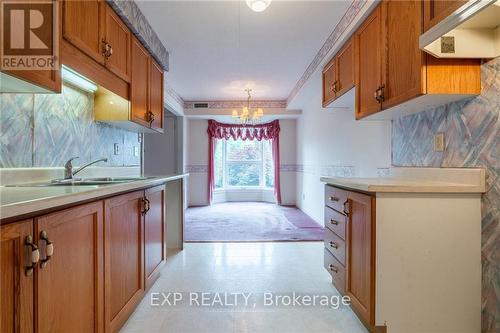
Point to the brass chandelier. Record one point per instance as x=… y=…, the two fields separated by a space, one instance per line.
x=247 y=116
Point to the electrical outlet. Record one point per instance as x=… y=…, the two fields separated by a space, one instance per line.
x=116 y=149
x=439 y=142
x=136 y=151
x=139 y=137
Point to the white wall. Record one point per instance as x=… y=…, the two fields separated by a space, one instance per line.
x=197 y=162
x=196 y=151
x=161 y=150
x=288 y=157
x=328 y=139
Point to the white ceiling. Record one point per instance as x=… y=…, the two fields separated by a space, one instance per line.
x=215 y=52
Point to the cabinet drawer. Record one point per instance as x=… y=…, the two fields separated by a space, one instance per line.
x=335 y=221
x=335 y=198
x=336 y=270
x=335 y=245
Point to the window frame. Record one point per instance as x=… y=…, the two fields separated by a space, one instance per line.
x=225 y=169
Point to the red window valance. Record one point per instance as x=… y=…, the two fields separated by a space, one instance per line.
x=267 y=131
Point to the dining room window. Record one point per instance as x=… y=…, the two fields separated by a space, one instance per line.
x=243 y=163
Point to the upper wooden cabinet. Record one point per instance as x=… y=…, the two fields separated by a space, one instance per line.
x=329 y=77
x=94 y=28
x=436 y=10
x=146 y=89
x=338 y=75
x=345 y=69
x=400 y=73
x=139 y=92
x=369 y=46
x=117 y=44
x=17 y=250
x=83 y=26
x=156 y=94
x=404 y=61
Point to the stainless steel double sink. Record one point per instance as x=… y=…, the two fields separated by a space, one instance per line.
x=82 y=182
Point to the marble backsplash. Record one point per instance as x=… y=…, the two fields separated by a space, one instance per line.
x=45 y=130
x=472 y=138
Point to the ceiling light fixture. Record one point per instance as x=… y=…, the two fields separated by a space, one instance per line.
x=258 y=5
x=245 y=118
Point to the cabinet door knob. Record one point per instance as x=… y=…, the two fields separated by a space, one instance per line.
x=104 y=48
x=333 y=268
x=334 y=245
x=34 y=255
x=334 y=222
x=151 y=118
x=49 y=248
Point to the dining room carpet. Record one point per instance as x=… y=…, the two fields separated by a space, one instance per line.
x=249 y=222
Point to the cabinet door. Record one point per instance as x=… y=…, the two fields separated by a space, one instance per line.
x=70 y=282
x=436 y=10
x=404 y=61
x=139 y=82
x=329 y=77
x=360 y=284
x=156 y=95
x=47 y=79
x=82 y=26
x=118 y=36
x=345 y=69
x=123 y=253
x=368 y=62
x=154 y=234
x=16 y=281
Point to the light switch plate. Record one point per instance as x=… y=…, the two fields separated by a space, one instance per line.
x=439 y=142
x=116 y=149
x=136 y=151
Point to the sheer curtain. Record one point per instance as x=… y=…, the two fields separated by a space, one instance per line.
x=268 y=131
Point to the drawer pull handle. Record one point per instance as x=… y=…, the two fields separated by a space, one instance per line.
x=335 y=199
x=333 y=268
x=49 y=248
x=334 y=245
x=334 y=222
x=346 y=207
x=145 y=205
x=34 y=255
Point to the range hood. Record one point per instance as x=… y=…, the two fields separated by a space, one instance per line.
x=472 y=31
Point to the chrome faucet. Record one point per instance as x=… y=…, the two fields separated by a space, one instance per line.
x=68 y=167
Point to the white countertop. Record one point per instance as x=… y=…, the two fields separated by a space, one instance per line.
x=418 y=180
x=18 y=201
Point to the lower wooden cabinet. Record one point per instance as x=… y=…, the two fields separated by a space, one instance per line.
x=16 y=277
x=351 y=263
x=84 y=268
x=70 y=272
x=360 y=282
x=123 y=252
x=401 y=250
x=154 y=234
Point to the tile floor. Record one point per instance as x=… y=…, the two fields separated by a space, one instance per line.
x=251 y=268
